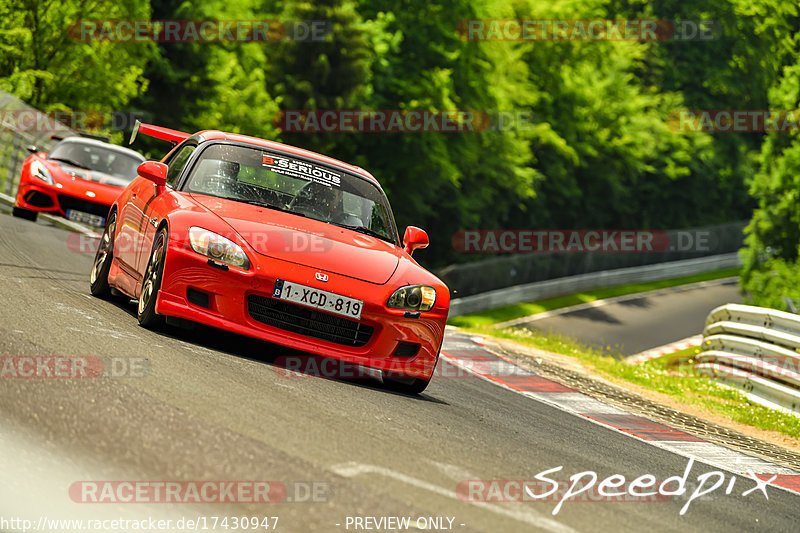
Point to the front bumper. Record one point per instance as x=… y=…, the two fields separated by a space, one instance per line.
x=46 y=198
x=226 y=307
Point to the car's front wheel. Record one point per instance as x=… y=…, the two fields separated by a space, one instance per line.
x=27 y=214
x=151 y=283
x=102 y=261
x=407 y=385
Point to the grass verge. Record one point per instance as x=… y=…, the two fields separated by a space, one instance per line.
x=510 y=312
x=672 y=375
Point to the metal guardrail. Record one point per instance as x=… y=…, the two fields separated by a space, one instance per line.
x=14 y=141
x=531 y=292
x=754 y=349
x=12 y=155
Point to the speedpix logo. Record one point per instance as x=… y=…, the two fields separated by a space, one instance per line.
x=587 y=486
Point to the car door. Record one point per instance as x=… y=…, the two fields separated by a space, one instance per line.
x=149 y=219
x=128 y=242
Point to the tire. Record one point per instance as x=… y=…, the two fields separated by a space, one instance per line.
x=408 y=385
x=151 y=283
x=102 y=261
x=27 y=214
x=119 y=296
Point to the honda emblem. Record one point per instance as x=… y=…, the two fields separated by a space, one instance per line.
x=321 y=276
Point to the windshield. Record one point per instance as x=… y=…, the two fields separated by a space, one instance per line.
x=295 y=185
x=96 y=158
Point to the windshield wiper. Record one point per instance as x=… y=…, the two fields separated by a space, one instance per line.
x=261 y=204
x=366 y=231
x=69 y=162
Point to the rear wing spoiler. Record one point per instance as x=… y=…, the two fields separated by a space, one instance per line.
x=173 y=136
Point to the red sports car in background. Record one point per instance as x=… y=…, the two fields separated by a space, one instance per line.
x=79 y=180
x=276 y=243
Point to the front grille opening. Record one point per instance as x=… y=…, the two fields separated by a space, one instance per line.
x=38 y=199
x=76 y=204
x=406 y=350
x=199 y=298
x=310 y=322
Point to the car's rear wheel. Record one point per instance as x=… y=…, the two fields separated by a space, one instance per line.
x=27 y=214
x=151 y=283
x=102 y=261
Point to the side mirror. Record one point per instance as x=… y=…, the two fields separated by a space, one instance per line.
x=415 y=239
x=155 y=171
x=32 y=148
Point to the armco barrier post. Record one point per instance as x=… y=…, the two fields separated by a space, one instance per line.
x=12 y=167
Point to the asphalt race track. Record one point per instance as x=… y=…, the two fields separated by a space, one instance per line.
x=204 y=405
x=637 y=323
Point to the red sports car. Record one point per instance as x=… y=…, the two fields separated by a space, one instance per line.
x=79 y=180
x=277 y=243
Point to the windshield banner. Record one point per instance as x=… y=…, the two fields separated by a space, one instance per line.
x=301 y=169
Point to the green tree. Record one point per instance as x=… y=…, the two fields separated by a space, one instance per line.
x=772 y=254
x=325 y=62
x=445 y=182
x=751 y=41
x=50 y=67
x=198 y=85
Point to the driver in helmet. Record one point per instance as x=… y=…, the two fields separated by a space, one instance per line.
x=330 y=201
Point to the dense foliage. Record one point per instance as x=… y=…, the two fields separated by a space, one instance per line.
x=591 y=145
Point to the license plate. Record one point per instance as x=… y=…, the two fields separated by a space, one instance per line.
x=318 y=299
x=86 y=218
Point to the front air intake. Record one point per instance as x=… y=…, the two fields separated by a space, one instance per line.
x=307 y=321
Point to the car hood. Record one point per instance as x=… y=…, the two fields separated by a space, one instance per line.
x=307 y=242
x=90 y=175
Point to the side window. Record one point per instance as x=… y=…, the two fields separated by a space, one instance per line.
x=177 y=164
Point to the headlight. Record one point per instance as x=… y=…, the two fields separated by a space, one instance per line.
x=38 y=170
x=217 y=247
x=413 y=298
